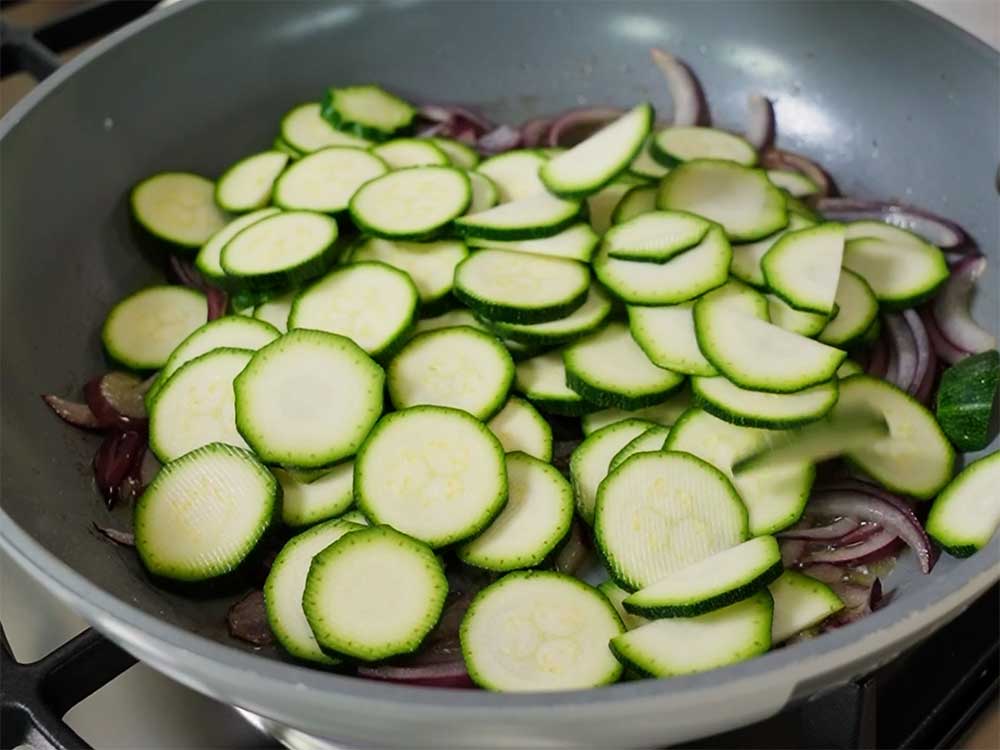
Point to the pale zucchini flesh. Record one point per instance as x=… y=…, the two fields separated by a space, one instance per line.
x=655 y=237
x=401 y=153
x=367 y=111
x=142 y=330
x=803 y=267
x=586 y=318
x=178 y=208
x=532 y=217
x=325 y=180
x=430 y=265
x=800 y=603
x=649 y=441
x=458 y=153
x=247 y=185
x=542 y=379
x=664 y=413
x=679 y=144
x=967 y=512
x=304 y=503
x=747 y=256
x=900 y=273
x=774 y=411
x=276 y=310
x=602 y=204
x=305 y=130
x=520 y=428
x=208 y=260
x=803 y=323
x=576 y=242
x=857 y=310
x=411 y=204
x=666 y=334
x=515 y=173
x=639 y=200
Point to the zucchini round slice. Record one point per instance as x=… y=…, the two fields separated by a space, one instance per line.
x=144 y=328
x=367 y=111
x=747 y=257
x=178 y=208
x=542 y=379
x=666 y=334
x=649 y=441
x=519 y=427
x=325 y=180
x=458 y=153
x=639 y=200
x=800 y=603
x=585 y=319
x=430 y=265
x=665 y=413
x=967 y=513
x=531 y=217
x=577 y=242
x=803 y=267
x=411 y=152
x=679 y=144
x=304 y=129
x=857 y=310
x=248 y=183
x=411 y=204
x=208 y=260
x=276 y=310
x=803 y=323
x=306 y=500
x=655 y=237
x=795 y=184
x=644 y=165
x=515 y=173
x=736 y=405
x=900 y=273
x=485 y=193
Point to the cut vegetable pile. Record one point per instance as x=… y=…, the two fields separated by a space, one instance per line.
x=441 y=362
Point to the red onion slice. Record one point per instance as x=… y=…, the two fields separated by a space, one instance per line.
x=878 y=363
x=878 y=546
x=575 y=125
x=951 y=309
x=534 y=132
x=942 y=347
x=903 y=362
x=760 y=126
x=831 y=531
x=858 y=535
x=123 y=538
x=922 y=347
x=690 y=107
x=247 y=620
x=73 y=412
x=116 y=399
x=937 y=230
x=185 y=274
x=115 y=460
x=446 y=675
x=458 y=117
x=500 y=139
x=776 y=158
x=218 y=302
x=792 y=551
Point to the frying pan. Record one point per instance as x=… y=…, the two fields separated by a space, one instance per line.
x=896 y=102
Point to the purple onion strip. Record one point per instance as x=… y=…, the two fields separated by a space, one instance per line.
x=760 y=126
x=937 y=230
x=951 y=309
x=904 y=353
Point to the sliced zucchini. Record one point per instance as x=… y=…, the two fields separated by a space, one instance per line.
x=178 y=208
x=325 y=180
x=485 y=193
x=900 y=273
x=725 y=578
x=411 y=152
x=793 y=183
x=411 y=204
x=658 y=513
x=806 y=324
x=916 y=458
x=458 y=367
x=279 y=144
x=679 y=144
x=532 y=217
x=609 y=369
x=616 y=596
x=586 y=318
x=649 y=441
x=542 y=379
x=515 y=173
x=644 y=165
x=679 y=646
x=803 y=267
x=432 y=472
x=739 y=198
x=774 y=497
x=665 y=413
x=368 y=112
x=521 y=288
x=857 y=310
x=286 y=583
x=849 y=367
x=666 y=334
x=689 y=275
x=305 y=130
x=450 y=319
x=747 y=257
x=595 y=161
x=308 y=399
x=430 y=265
x=870 y=229
x=773 y=411
x=209 y=256
x=602 y=204
x=143 y=329
x=655 y=237
x=327 y=496
x=281 y=250
x=591 y=459
x=537 y=517
x=966 y=400
x=967 y=513
x=800 y=603
x=758 y=355
x=739 y=297
x=540 y=630
x=458 y=153
x=374 y=593
x=577 y=242
x=204 y=513
x=371 y=303
x=638 y=200
x=355 y=516
x=276 y=310
x=520 y=428
x=248 y=183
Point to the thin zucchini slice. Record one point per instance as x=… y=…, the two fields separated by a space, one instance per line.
x=660 y=512
x=849 y=367
x=355 y=516
x=485 y=193
x=774 y=497
x=649 y=441
x=371 y=303
x=679 y=144
x=282 y=146
x=521 y=288
x=368 y=112
x=247 y=185
x=800 y=603
x=305 y=130
x=644 y=165
x=304 y=503
x=178 y=208
x=430 y=265
x=458 y=367
x=411 y=204
x=739 y=198
x=195 y=406
x=208 y=260
x=638 y=200
x=966 y=400
x=901 y=274
x=276 y=310
x=803 y=267
x=374 y=593
x=450 y=319
x=857 y=310
x=718 y=581
x=666 y=334
x=577 y=242
x=602 y=204
x=772 y=411
x=411 y=152
x=589 y=463
x=967 y=513
x=144 y=328
x=515 y=173
x=739 y=297
x=679 y=646
x=286 y=583
x=539 y=630
x=281 y=250
x=537 y=517
x=793 y=183
x=688 y=275
x=916 y=458
x=586 y=318
x=204 y=513
x=616 y=596
x=308 y=399
x=542 y=379
x=532 y=217
x=325 y=180
x=803 y=323
x=655 y=237
x=758 y=355
x=747 y=256
x=519 y=427
x=665 y=413
x=458 y=153
x=432 y=472
x=609 y=369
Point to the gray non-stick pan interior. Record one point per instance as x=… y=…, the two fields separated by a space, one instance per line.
x=896 y=103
